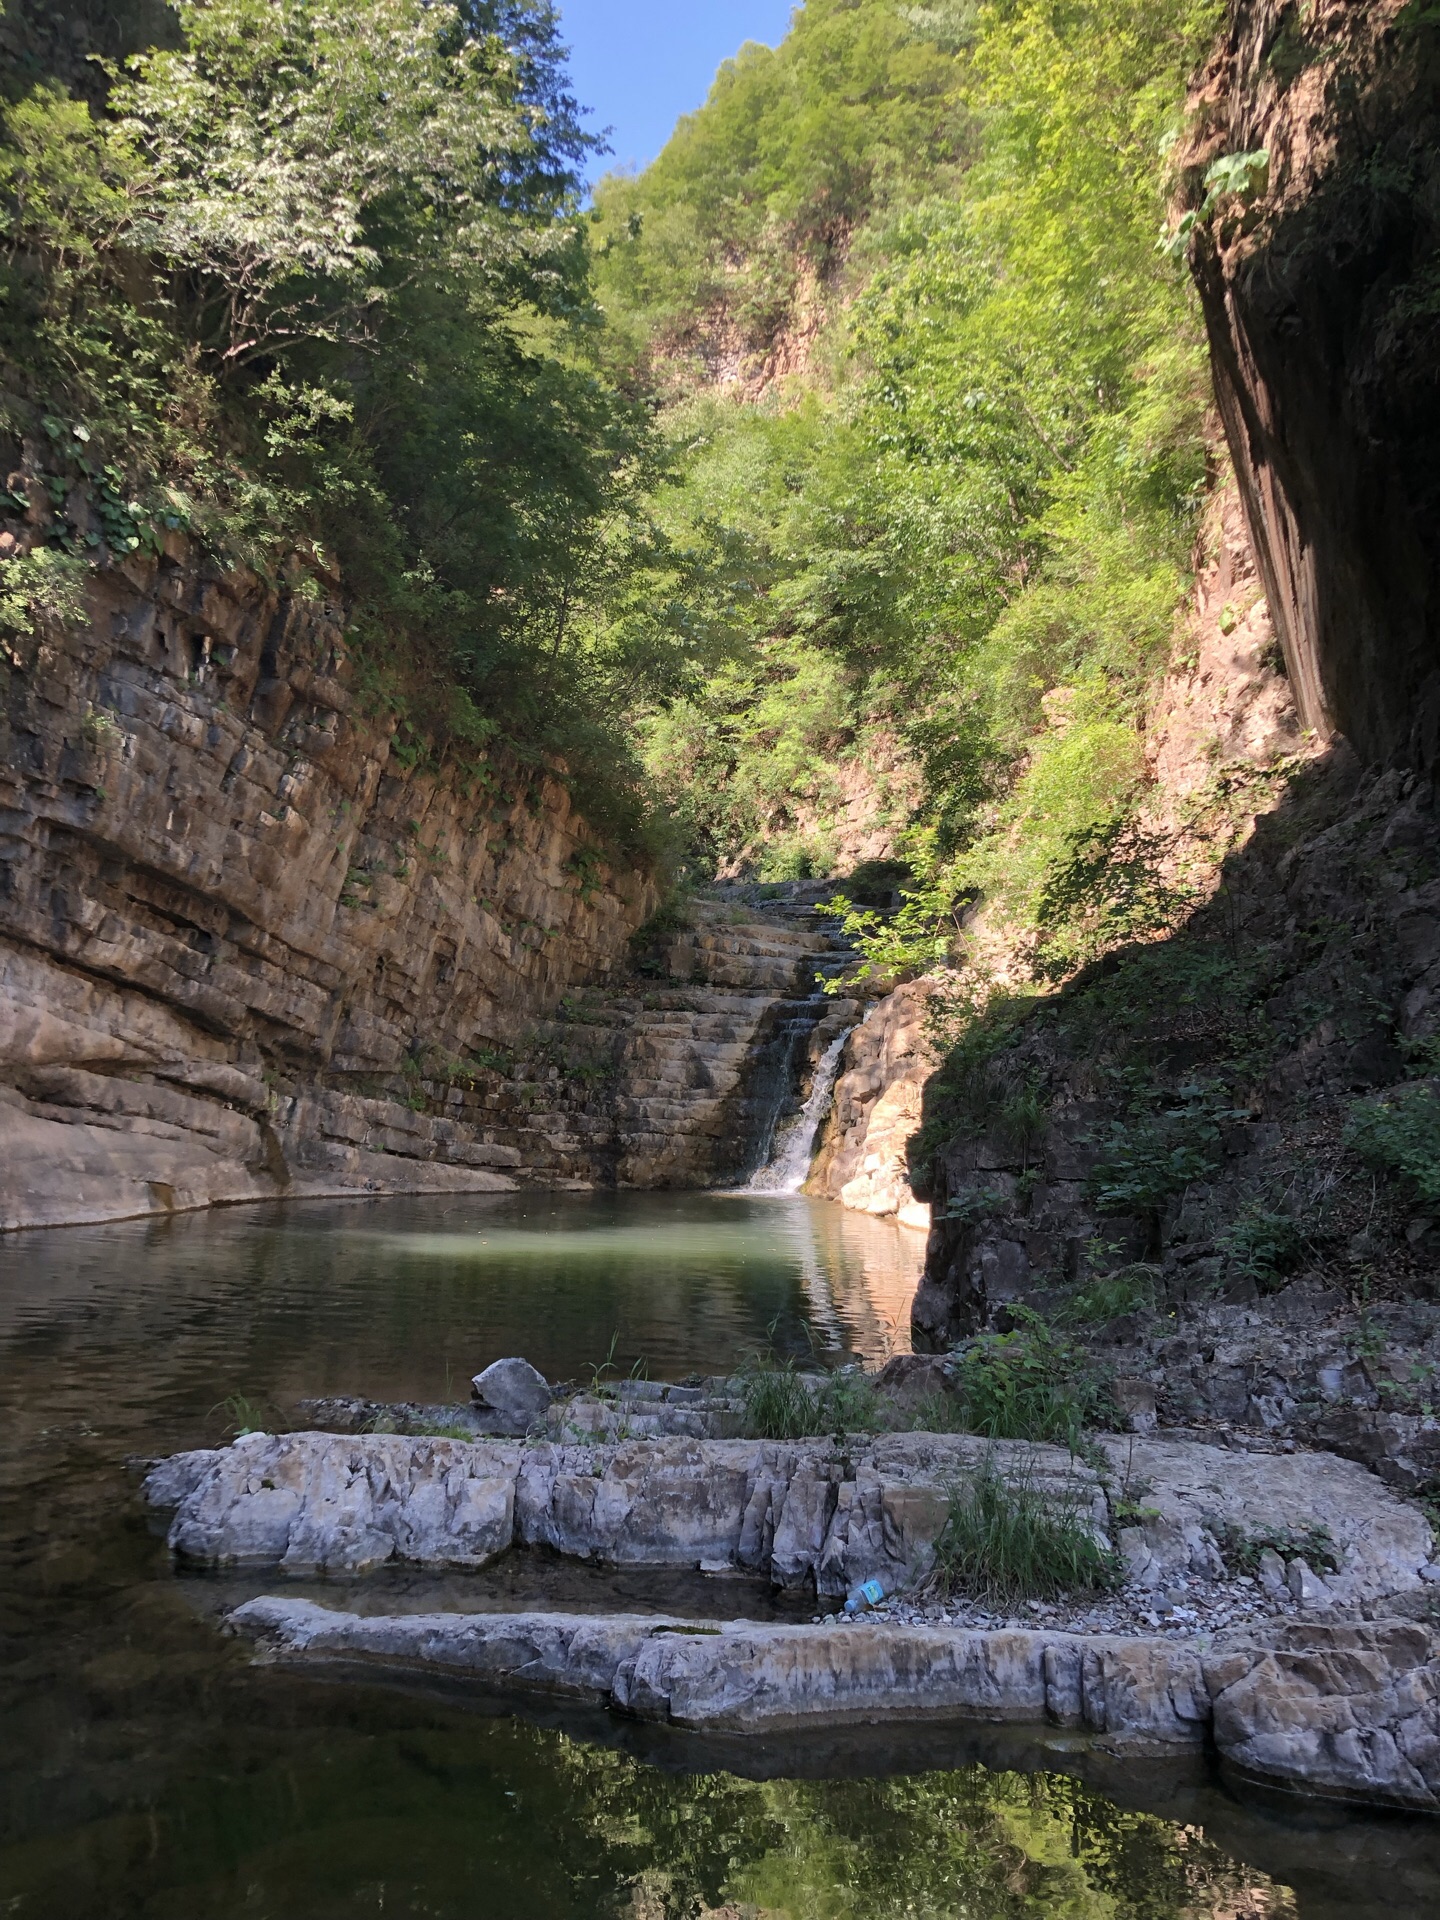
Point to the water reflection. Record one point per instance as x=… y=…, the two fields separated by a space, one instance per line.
x=147 y=1770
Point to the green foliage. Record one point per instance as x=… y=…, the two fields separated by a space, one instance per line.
x=1130 y=1289
x=1263 y=1244
x=1400 y=1133
x=317 y=280
x=781 y=1404
x=1005 y=1541
x=1238 y=176
x=244 y=1415
x=1030 y=1384
x=39 y=587
x=1109 y=888
x=1243 y=1547
x=794 y=148
x=1146 y=1160
x=963 y=529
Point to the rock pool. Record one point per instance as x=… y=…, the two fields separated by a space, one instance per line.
x=148 y=1769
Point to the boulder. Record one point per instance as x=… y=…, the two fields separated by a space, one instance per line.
x=1348 y=1711
x=514 y=1393
x=328 y=1503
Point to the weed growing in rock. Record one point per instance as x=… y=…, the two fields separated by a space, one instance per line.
x=1242 y=1549
x=1132 y=1289
x=1400 y=1133
x=1005 y=1540
x=782 y=1404
x=243 y=1414
x=1263 y=1244
x=1031 y=1384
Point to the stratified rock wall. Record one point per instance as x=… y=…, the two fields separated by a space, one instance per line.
x=863 y=1161
x=235 y=927
x=1321 y=304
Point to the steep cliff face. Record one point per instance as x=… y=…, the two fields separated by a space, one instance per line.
x=863 y=1156
x=1322 y=299
x=236 y=931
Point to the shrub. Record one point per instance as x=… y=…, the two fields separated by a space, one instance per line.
x=1400 y=1133
x=1148 y=1159
x=1005 y=1540
x=1263 y=1244
x=1029 y=1385
x=1132 y=1289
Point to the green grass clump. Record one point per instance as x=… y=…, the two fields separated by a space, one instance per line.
x=1031 y=1384
x=1263 y=1244
x=1005 y=1541
x=244 y=1415
x=1133 y=1289
x=780 y=1404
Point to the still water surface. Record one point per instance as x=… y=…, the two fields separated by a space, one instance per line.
x=146 y=1769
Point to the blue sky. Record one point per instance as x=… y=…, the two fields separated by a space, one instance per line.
x=640 y=64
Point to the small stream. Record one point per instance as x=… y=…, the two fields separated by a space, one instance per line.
x=149 y=1772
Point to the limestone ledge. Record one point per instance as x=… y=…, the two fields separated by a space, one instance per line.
x=798 y=1511
x=1345 y=1712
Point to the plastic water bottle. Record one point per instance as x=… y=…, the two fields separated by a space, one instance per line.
x=868 y=1594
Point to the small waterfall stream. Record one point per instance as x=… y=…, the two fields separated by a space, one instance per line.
x=788 y=1162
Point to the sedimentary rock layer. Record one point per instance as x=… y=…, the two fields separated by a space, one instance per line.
x=234 y=925
x=1347 y=1712
x=799 y=1511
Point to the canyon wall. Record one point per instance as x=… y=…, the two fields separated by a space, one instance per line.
x=1322 y=301
x=237 y=931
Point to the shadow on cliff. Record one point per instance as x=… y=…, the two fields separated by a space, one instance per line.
x=1189 y=1106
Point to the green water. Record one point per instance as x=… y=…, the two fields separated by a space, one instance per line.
x=147 y=1769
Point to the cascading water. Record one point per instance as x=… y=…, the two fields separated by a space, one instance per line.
x=788 y=1163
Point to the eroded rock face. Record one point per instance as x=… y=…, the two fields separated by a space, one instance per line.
x=863 y=1157
x=807 y=1513
x=1339 y=1711
x=744 y=1678
x=313 y=1503
x=233 y=928
x=1316 y=302
x=1347 y=1711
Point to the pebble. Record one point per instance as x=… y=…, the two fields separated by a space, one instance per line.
x=1200 y=1607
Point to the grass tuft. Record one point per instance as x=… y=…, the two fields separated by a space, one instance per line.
x=780 y=1404
x=1030 y=1384
x=1006 y=1541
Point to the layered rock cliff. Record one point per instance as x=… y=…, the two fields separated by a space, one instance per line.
x=1319 y=284
x=236 y=929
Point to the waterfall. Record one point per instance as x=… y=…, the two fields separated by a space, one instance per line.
x=788 y=1166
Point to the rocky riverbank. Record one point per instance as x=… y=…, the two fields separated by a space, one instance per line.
x=1277 y=1605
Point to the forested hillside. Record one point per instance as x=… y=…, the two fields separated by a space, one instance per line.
x=937 y=403
x=830 y=486
x=311 y=283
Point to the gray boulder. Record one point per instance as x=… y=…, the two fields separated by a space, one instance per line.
x=513 y=1393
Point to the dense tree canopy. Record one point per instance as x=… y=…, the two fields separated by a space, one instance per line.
x=866 y=422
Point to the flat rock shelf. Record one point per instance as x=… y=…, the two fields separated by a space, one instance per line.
x=1330 y=1688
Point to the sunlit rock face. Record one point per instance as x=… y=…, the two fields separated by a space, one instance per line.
x=236 y=932
x=802 y=1512
x=247 y=951
x=1318 y=290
